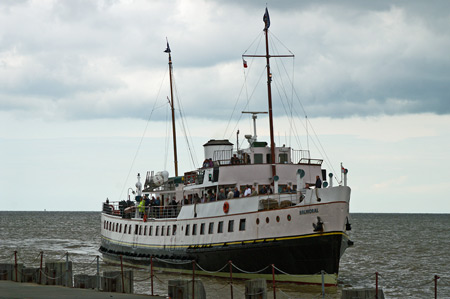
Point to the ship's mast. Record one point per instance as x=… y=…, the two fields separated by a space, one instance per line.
x=175 y=158
x=269 y=92
x=266 y=20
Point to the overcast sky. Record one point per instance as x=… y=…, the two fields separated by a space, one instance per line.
x=81 y=82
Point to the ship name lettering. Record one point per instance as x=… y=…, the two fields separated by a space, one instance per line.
x=309 y=211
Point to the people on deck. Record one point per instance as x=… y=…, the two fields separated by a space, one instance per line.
x=247 y=191
x=318 y=182
x=222 y=195
x=141 y=207
x=263 y=190
x=206 y=163
x=234 y=160
x=236 y=193
x=230 y=194
x=254 y=193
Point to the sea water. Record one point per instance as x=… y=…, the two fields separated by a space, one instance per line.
x=407 y=250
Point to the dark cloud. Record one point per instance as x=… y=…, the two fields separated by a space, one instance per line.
x=104 y=59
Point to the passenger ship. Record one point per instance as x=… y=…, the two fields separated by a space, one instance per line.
x=294 y=233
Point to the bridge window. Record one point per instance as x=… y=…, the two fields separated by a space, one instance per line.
x=283 y=158
x=258 y=158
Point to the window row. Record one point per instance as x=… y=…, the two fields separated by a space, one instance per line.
x=220 y=226
x=167 y=230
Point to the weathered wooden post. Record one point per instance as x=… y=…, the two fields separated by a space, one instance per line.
x=121 y=270
x=111 y=281
x=181 y=289
x=256 y=289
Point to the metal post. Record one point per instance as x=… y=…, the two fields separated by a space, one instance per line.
x=435 y=286
x=67 y=269
x=273 y=282
x=231 y=278
x=323 y=283
x=376 y=285
x=98 y=273
x=151 y=272
x=15 y=263
x=121 y=270
x=193 y=279
x=40 y=268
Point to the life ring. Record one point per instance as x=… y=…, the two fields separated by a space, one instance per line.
x=226 y=207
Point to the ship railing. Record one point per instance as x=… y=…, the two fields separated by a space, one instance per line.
x=127 y=209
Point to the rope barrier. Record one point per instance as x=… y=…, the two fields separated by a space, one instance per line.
x=248 y=272
x=19 y=257
x=173 y=263
x=85 y=267
x=442 y=282
x=140 y=280
x=111 y=277
x=218 y=289
x=226 y=265
x=162 y=282
x=281 y=291
x=53 y=278
x=237 y=289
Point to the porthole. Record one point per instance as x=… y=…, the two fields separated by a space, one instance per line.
x=289 y=217
x=278 y=218
x=257 y=220
x=267 y=219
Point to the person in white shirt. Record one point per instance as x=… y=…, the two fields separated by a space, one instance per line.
x=247 y=191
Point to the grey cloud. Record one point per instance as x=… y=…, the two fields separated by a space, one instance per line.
x=352 y=58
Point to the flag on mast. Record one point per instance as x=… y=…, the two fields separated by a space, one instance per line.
x=168 y=48
x=244 y=62
x=266 y=19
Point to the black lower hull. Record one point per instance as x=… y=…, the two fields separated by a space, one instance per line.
x=303 y=255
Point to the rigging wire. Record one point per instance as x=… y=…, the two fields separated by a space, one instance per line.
x=319 y=147
x=142 y=137
x=284 y=89
x=247 y=102
x=244 y=85
x=185 y=128
x=167 y=141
